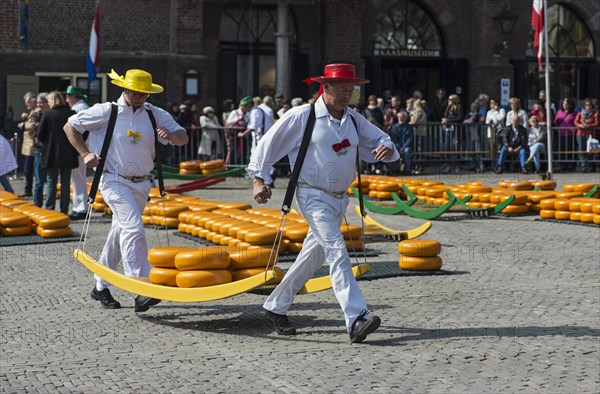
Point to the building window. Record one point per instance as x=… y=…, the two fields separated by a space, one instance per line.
x=249 y=32
x=571 y=51
x=407 y=29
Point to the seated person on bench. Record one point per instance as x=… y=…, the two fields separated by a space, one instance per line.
x=514 y=142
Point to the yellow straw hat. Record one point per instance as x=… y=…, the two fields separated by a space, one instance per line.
x=136 y=80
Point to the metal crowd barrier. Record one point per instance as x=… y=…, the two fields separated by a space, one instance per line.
x=473 y=146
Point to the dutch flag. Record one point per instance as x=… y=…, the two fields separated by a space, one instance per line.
x=92 y=56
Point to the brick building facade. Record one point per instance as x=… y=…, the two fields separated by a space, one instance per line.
x=226 y=49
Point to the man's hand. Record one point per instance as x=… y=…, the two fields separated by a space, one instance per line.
x=91 y=160
x=382 y=153
x=164 y=133
x=261 y=192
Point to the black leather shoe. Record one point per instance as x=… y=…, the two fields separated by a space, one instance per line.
x=363 y=327
x=281 y=323
x=77 y=216
x=142 y=304
x=105 y=298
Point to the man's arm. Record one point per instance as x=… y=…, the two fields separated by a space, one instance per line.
x=76 y=139
x=178 y=138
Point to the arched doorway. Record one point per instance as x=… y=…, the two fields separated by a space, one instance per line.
x=247 y=57
x=573 y=68
x=408 y=53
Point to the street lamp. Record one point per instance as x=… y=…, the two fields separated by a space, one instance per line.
x=505 y=21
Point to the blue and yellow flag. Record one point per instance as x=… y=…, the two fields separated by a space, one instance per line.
x=23 y=28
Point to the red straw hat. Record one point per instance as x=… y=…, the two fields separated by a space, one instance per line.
x=339 y=72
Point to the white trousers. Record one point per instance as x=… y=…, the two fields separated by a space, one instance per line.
x=80 y=193
x=324 y=242
x=126 y=238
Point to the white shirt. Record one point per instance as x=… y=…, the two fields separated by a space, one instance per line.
x=80 y=106
x=127 y=155
x=261 y=119
x=495 y=118
x=323 y=168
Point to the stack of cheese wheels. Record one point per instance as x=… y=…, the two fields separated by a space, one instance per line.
x=189 y=167
x=162 y=259
x=364 y=181
x=252 y=260
x=353 y=237
x=165 y=213
x=51 y=224
x=576 y=209
x=212 y=166
x=14 y=223
x=207 y=266
x=420 y=255
x=517 y=206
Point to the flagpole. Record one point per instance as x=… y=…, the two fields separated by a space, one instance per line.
x=548 y=101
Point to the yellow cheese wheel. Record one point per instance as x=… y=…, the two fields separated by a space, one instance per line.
x=55 y=220
x=583 y=187
x=562 y=205
x=169 y=222
x=387 y=187
x=586 y=217
x=574 y=206
x=587 y=207
x=384 y=195
x=547 y=214
x=54 y=232
x=261 y=237
x=544 y=185
x=171 y=210
x=296 y=232
x=568 y=195
x=596 y=218
x=251 y=257
x=575 y=216
x=548 y=203
x=249 y=272
x=419 y=247
x=205 y=165
x=351 y=231
x=16 y=231
x=483 y=197
x=164 y=256
x=206 y=258
x=521 y=185
x=98 y=206
x=596 y=208
x=294 y=247
x=538 y=196
x=164 y=276
x=515 y=209
x=234 y=205
x=203 y=278
x=535 y=208
x=189 y=165
x=355 y=244
x=14 y=219
x=475 y=188
x=562 y=215
x=413 y=263
x=372 y=193
x=210 y=171
x=182 y=227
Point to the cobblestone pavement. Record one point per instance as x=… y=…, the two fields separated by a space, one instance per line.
x=516 y=310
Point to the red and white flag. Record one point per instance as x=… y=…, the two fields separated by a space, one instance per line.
x=92 y=56
x=537 y=22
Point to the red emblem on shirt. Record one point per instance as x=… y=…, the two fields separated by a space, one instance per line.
x=341 y=148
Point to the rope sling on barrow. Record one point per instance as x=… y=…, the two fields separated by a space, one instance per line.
x=291 y=190
x=100 y=168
